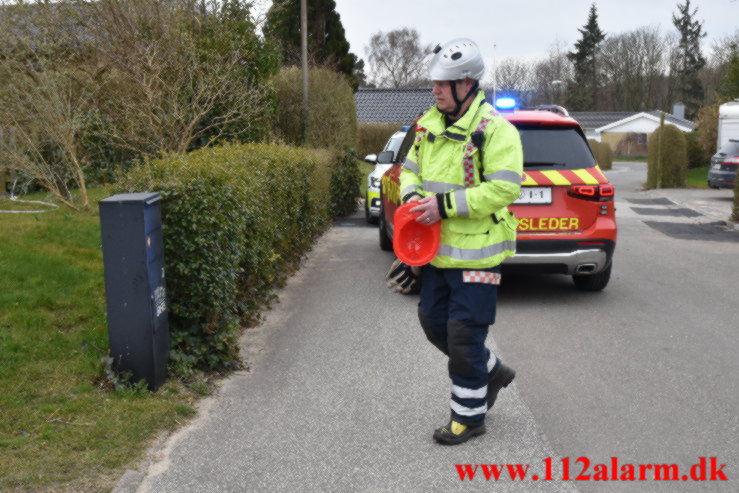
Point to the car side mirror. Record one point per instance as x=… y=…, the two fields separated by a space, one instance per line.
x=385 y=157
x=370 y=158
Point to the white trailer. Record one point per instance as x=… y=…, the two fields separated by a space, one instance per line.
x=728 y=122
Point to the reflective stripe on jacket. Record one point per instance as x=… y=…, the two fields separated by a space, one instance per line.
x=477 y=230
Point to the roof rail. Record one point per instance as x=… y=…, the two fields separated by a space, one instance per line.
x=553 y=108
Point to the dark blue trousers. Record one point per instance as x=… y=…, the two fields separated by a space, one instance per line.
x=455 y=316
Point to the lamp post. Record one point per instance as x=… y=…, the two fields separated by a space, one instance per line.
x=304 y=64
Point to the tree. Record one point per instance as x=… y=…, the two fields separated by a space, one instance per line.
x=714 y=72
x=396 y=58
x=512 y=75
x=729 y=87
x=550 y=76
x=583 y=91
x=327 y=44
x=633 y=67
x=359 y=73
x=690 y=60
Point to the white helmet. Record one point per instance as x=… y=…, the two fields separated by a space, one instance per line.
x=457 y=59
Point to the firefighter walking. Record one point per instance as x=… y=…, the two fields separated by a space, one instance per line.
x=464 y=170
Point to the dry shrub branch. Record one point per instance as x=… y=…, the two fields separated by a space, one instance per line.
x=177 y=93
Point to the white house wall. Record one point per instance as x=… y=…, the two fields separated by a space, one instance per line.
x=641 y=125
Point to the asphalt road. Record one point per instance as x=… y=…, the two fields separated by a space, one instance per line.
x=343 y=390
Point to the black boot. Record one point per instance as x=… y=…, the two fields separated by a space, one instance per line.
x=455 y=433
x=500 y=376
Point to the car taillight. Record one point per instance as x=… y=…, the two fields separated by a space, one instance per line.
x=597 y=193
x=732 y=160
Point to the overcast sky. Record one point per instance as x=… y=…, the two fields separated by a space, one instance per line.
x=524 y=28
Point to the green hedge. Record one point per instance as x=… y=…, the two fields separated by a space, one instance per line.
x=672 y=169
x=345 y=181
x=697 y=157
x=602 y=152
x=372 y=137
x=332 y=120
x=236 y=220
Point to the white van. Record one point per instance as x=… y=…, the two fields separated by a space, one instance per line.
x=728 y=123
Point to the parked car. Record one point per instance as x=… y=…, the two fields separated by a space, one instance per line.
x=722 y=172
x=382 y=162
x=566 y=209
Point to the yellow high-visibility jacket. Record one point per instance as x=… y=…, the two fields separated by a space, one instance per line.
x=477 y=229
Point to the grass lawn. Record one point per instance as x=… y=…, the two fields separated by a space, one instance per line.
x=637 y=159
x=60 y=428
x=697 y=177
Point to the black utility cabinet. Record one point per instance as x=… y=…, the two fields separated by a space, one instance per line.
x=133 y=256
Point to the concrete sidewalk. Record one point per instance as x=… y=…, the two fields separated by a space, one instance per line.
x=342 y=394
x=714 y=204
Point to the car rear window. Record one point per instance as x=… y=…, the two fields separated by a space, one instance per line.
x=554 y=148
x=730 y=148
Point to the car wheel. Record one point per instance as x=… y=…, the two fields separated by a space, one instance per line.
x=367 y=216
x=593 y=282
x=385 y=243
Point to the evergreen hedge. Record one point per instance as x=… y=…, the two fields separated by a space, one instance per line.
x=672 y=169
x=332 y=120
x=372 y=137
x=236 y=220
x=696 y=156
x=345 y=181
x=602 y=152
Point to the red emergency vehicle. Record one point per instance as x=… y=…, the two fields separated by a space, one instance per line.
x=566 y=208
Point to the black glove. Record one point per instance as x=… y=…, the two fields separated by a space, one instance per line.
x=403 y=278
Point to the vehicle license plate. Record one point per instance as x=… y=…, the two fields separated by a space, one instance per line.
x=534 y=195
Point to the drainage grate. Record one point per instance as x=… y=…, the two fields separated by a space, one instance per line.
x=660 y=201
x=681 y=212
x=349 y=222
x=706 y=232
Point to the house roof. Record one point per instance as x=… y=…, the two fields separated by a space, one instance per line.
x=597 y=119
x=673 y=119
x=400 y=106
x=603 y=120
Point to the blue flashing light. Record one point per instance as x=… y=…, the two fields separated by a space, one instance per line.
x=405 y=128
x=505 y=103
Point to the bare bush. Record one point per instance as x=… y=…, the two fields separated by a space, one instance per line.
x=47 y=149
x=125 y=79
x=45 y=102
x=162 y=92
